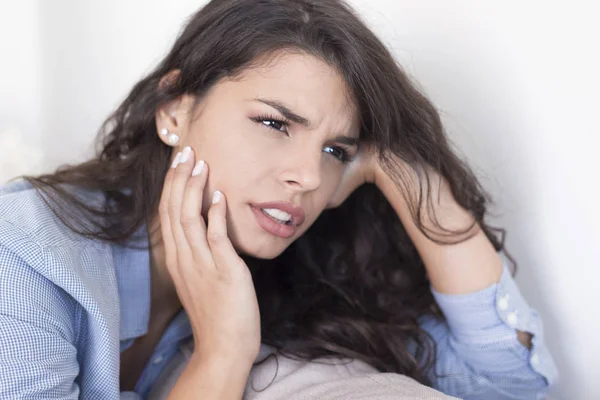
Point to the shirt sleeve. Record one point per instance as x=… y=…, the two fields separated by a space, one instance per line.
x=478 y=353
x=37 y=357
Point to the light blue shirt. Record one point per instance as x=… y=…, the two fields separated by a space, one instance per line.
x=69 y=305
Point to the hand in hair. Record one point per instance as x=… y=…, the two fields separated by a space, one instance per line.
x=213 y=283
x=362 y=169
x=366 y=167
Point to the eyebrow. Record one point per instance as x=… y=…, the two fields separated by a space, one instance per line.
x=292 y=116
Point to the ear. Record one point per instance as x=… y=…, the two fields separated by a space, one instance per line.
x=173 y=118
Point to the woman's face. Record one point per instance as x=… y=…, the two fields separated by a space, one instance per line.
x=276 y=133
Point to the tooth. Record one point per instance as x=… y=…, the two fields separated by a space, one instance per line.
x=278 y=214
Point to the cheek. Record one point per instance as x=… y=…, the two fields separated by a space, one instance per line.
x=332 y=181
x=228 y=155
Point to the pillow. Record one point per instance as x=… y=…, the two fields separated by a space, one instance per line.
x=283 y=378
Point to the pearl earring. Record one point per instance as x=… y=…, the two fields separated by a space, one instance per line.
x=173 y=139
x=164 y=132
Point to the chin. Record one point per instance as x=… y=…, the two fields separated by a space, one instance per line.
x=266 y=251
x=262 y=246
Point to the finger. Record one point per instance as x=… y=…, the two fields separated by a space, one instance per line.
x=165 y=221
x=192 y=221
x=181 y=172
x=222 y=250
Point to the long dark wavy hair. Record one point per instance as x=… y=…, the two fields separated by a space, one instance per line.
x=353 y=285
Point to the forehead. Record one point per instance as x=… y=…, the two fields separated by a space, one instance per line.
x=307 y=85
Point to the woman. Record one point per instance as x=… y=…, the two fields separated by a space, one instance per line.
x=276 y=179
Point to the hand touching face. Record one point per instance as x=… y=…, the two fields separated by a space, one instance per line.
x=278 y=139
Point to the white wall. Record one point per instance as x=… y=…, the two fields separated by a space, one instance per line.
x=516 y=82
x=93 y=52
x=20 y=87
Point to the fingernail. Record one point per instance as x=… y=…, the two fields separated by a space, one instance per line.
x=216 y=197
x=176 y=160
x=185 y=155
x=198 y=168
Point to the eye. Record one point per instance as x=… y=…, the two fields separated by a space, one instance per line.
x=281 y=125
x=272 y=122
x=339 y=153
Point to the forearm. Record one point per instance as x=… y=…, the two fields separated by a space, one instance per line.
x=216 y=378
x=459 y=268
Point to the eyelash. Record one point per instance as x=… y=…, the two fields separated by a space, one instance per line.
x=343 y=157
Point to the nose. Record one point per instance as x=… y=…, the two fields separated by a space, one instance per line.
x=302 y=172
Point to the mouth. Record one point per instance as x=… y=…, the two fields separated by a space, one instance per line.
x=283 y=212
x=281 y=225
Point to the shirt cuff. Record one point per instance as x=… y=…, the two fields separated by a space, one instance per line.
x=493 y=315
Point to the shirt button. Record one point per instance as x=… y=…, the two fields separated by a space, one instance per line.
x=512 y=318
x=503 y=302
x=535 y=359
x=158 y=360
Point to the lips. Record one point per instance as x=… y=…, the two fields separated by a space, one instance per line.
x=296 y=212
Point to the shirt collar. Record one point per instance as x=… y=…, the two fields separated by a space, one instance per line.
x=132 y=267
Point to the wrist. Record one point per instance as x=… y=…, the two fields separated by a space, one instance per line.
x=393 y=193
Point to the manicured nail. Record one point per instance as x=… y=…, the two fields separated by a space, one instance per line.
x=198 y=168
x=176 y=160
x=185 y=156
x=216 y=197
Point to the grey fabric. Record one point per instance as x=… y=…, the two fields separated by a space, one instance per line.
x=284 y=378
